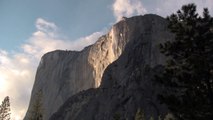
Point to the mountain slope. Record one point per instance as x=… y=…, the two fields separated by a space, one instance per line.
x=127 y=84
x=62 y=74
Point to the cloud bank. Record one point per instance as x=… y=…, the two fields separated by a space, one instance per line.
x=167 y=7
x=17 y=69
x=127 y=8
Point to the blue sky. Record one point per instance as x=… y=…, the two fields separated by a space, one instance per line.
x=30 y=28
x=75 y=19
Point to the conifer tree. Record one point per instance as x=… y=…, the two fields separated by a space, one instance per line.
x=140 y=115
x=188 y=73
x=37 y=110
x=5 y=109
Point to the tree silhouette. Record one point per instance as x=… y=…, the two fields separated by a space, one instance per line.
x=188 y=73
x=140 y=115
x=37 y=110
x=5 y=109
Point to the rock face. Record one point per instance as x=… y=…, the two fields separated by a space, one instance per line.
x=61 y=74
x=127 y=84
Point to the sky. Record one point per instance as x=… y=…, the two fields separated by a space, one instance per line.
x=31 y=28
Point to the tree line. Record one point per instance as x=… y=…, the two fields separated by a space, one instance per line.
x=188 y=73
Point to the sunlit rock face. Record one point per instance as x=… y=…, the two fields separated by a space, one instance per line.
x=61 y=74
x=126 y=85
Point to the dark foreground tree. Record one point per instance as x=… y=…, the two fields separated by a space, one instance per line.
x=5 y=109
x=188 y=74
x=37 y=110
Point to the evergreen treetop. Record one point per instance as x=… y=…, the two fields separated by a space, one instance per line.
x=188 y=73
x=5 y=109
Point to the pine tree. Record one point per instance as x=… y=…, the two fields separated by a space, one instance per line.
x=116 y=116
x=188 y=73
x=140 y=115
x=37 y=110
x=5 y=109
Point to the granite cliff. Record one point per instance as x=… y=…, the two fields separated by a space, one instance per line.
x=127 y=84
x=61 y=74
x=111 y=77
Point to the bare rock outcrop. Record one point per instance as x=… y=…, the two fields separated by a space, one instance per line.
x=61 y=74
x=127 y=84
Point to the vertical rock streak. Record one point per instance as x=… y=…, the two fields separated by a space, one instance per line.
x=61 y=74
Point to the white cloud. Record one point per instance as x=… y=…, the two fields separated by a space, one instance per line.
x=167 y=7
x=45 y=26
x=127 y=8
x=17 y=70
